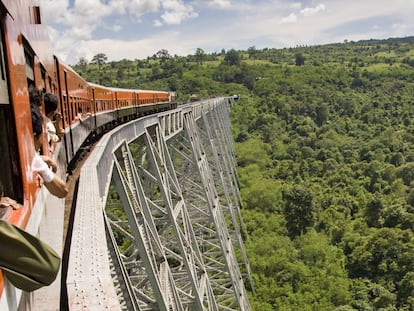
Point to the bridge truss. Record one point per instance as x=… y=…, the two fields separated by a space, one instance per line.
x=162 y=192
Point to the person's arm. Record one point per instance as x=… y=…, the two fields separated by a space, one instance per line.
x=79 y=117
x=50 y=163
x=57 y=187
x=59 y=131
x=53 y=183
x=9 y=202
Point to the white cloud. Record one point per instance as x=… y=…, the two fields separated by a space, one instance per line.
x=176 y=11
x=399 y=29
x=116 y=28
x=221 y=4
x=296 y=5
x=55 y=11
x=115 y=49
x=239 y=24
x=82 y=19
x=90 y=9
x=312 y=11
x=157 y=23
x=139 y=8
x=292 y=18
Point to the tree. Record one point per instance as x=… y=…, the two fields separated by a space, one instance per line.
x=322 y=114
x=299 y=59
x=200 y=56
x=82 y=63
x=299 y=210
x=232 y=58
x=406 y=172
x=99 y=59
x=120 y=74
x=252 y=52
x=163 y=54
x=407 y=287
x=373 y=211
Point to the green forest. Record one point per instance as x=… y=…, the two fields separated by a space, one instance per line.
x=324 y=139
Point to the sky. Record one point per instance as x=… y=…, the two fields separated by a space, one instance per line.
x=136 y=29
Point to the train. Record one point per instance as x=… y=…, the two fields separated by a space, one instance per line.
x=27 y=61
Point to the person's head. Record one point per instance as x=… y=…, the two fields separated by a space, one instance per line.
x=37 y=125
x=35 y=96
x=51 y=103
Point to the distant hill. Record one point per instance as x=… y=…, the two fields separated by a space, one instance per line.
x=181 y=73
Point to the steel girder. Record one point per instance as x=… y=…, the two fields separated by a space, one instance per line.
x=173 y=216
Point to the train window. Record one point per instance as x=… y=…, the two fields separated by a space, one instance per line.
x=77 y=105
x=71 y=108
x=4 y=94
x=65 y=107
x=53 y=89
x=29 y=67
x=67 y=101
x=43 y=79
x=9 y=160
x=35 y=15
x=72 y=101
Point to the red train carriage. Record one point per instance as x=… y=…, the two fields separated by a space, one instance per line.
x=74 y=93
x=25 y=60
x=88 y=110
x=21 y=67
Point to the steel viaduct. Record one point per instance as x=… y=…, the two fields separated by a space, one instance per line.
x=157 y=222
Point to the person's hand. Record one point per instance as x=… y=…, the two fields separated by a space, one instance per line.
x=58 y=116
x=52 y=164
x=8 y=202
x=39 y=181
x=60 y=133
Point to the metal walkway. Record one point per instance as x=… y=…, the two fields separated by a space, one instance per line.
x=157 y=222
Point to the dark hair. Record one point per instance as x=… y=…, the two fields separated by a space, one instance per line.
x=51 y=103
x=37 y=120
x=35 y=96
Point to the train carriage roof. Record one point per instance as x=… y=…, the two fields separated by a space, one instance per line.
x=117 y=89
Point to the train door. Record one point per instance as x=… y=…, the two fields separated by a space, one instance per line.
x=61 y=91
x=9 y=159
x=43 y=80
x=68 y=104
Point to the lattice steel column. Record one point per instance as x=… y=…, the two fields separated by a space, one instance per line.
x=218 y=139
x=151 y=287
x=173 y=217
x=181 y=223
x=172 y=287
x=216 y=211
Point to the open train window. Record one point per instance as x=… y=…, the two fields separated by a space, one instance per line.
x=52 y=87
x=4 y=90
x=43 y=78
x=29 y=67
x=9 y=159
x=35 y=15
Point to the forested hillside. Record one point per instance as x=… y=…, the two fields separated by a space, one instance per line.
x=325 y=148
